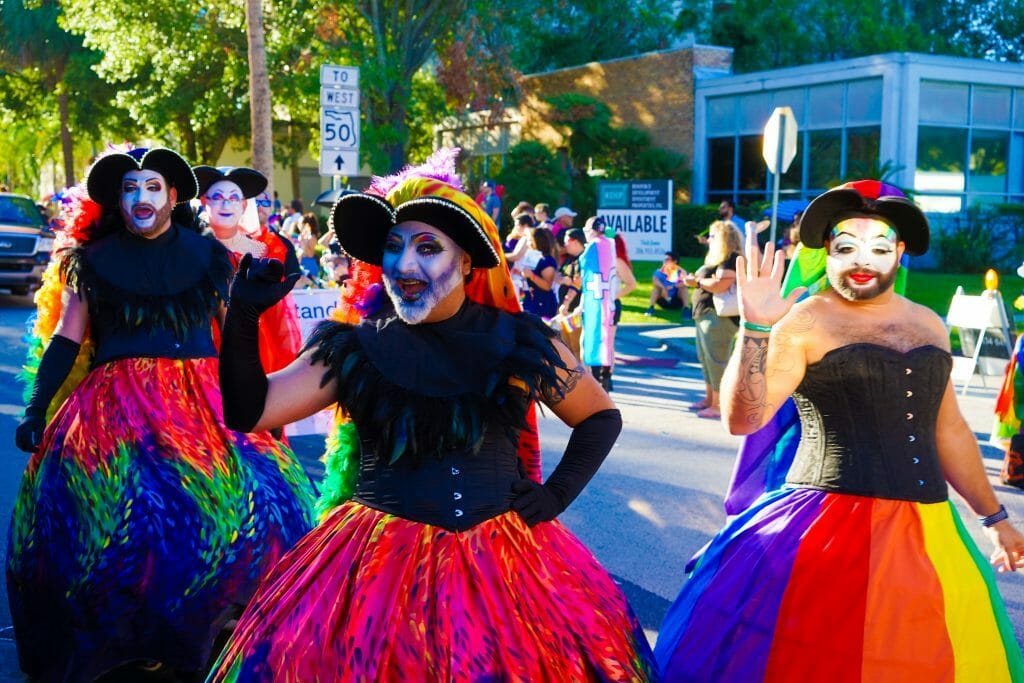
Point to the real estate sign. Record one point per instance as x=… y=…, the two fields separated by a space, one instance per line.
x=641 y=211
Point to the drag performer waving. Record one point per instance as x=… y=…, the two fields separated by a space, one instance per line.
x=859 y=568
x=448 y=563
x=143 y=524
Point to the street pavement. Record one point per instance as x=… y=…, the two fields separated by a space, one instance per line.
x=654 y=503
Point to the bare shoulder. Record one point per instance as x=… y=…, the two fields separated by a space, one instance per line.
x=929 y=322
x=804 y=316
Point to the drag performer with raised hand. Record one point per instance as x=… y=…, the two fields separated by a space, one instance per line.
x=143 y=524
x=859 y=568
x=448 y=564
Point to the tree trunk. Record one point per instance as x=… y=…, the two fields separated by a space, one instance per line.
x=259 y=94
x=65 y=138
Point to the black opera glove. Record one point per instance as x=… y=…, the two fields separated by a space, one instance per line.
x=54 y=368
x=243 y=383
x=589 y=445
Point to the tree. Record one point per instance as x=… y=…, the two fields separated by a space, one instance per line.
x=260 y=120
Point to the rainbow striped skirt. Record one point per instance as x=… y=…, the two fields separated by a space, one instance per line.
x=810 y=585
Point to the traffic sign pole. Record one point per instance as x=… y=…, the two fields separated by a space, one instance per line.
x=777 y=175
x=339 y=121
x=778 y=150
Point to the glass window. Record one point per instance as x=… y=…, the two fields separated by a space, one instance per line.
x=943 y=102
x=824 y=152
x=721 y=115
x=941 y=155
x=825 y=106
x=1018 y=108
x=754 y=111
x=864 y=101
x=862 y=151
x=989 y=154
x=721 y=163
x=990 y=107
x=753 y=171
x=792 y=179
x=792 y=98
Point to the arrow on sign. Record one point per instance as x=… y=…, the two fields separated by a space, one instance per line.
x=334 y=162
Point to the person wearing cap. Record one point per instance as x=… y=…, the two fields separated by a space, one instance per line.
x=860 y=562
x=447 y=561
x=225 y=193
x=143 y=524
x=562 y=220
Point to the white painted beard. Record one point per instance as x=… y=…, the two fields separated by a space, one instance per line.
x=414 y=312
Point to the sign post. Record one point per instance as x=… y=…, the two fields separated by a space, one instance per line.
x=339 y=120
x=778 y=151
x=641 y=210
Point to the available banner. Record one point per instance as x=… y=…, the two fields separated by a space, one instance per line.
x=313 y=306
x=641 y=211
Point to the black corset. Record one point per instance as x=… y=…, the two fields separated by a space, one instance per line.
x=456 y=491
x=867 y=416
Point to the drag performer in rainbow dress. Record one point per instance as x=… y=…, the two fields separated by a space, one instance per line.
x=856 y=567
x=143 y=524
x=447 y=563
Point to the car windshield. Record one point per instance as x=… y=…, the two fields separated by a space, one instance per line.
x=19 y=211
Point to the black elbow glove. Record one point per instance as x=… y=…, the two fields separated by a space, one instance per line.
x=589 y=445
x=54 y=367
x=243 y=384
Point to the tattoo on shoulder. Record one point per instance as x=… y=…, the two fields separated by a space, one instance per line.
x=556 y=394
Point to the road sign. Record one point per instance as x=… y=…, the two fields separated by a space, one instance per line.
x=780 y=129
x=339 y=162
x=339 y=120
x=339 y=128
x=332 y=75
x=339 y=97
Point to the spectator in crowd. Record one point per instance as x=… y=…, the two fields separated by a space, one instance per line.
x=489 y=200
x=727 y=212
x=521 y=208
x=792 y=238
x=563 y=219
x=542 y=216
x=715 y=333
x=539 y=294
x=292 y=219
x=569 y=281
x=309 y=234
x=665 y=289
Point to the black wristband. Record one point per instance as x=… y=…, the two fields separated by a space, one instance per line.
x=588 y=446
x=995 y=517
x=54 y=368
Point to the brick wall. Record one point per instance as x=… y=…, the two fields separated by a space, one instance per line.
x=652 y=92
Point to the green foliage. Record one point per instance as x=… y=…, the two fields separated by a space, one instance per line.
x=985 y=236
x=532 y=173
x=689 y=221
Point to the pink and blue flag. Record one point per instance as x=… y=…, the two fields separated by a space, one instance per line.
x=600 y=283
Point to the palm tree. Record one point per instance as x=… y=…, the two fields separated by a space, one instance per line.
x=259 y=94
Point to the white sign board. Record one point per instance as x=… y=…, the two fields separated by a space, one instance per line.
x=641 y=211
x=339 y=120
x=780 y=129
x=984 y=335
x=313 y=306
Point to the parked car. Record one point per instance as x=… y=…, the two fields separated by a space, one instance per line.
x=25 y=244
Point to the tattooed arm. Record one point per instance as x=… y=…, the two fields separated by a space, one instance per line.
x=764 y=370
x=581 y=396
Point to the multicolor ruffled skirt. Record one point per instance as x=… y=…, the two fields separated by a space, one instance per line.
x=814 y=586
x=368 y=596
x=143 y=524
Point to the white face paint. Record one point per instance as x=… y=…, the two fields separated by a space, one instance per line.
x=421 y=267
x=863 y=257
x=145 y=203
x=225 y=205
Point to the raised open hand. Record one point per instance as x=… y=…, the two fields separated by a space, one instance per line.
x=759 y=284
x=258 y=285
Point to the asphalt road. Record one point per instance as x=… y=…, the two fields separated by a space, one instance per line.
x=655 y=502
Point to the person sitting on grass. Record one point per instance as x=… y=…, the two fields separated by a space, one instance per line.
x=665 y=291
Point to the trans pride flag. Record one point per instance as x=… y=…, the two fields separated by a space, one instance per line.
x=600 y=284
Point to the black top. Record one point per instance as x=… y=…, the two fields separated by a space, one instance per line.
x=703 y=300
x=153 y=298
x=439 y=407
x=868 y=415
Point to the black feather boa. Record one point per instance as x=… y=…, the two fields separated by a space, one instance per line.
x=421 y=390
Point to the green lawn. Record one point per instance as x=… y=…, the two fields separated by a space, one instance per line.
x=934 y=290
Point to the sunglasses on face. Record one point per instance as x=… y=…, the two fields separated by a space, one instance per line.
x=264 y=203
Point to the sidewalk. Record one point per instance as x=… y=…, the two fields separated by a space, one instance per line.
x=655 y=345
